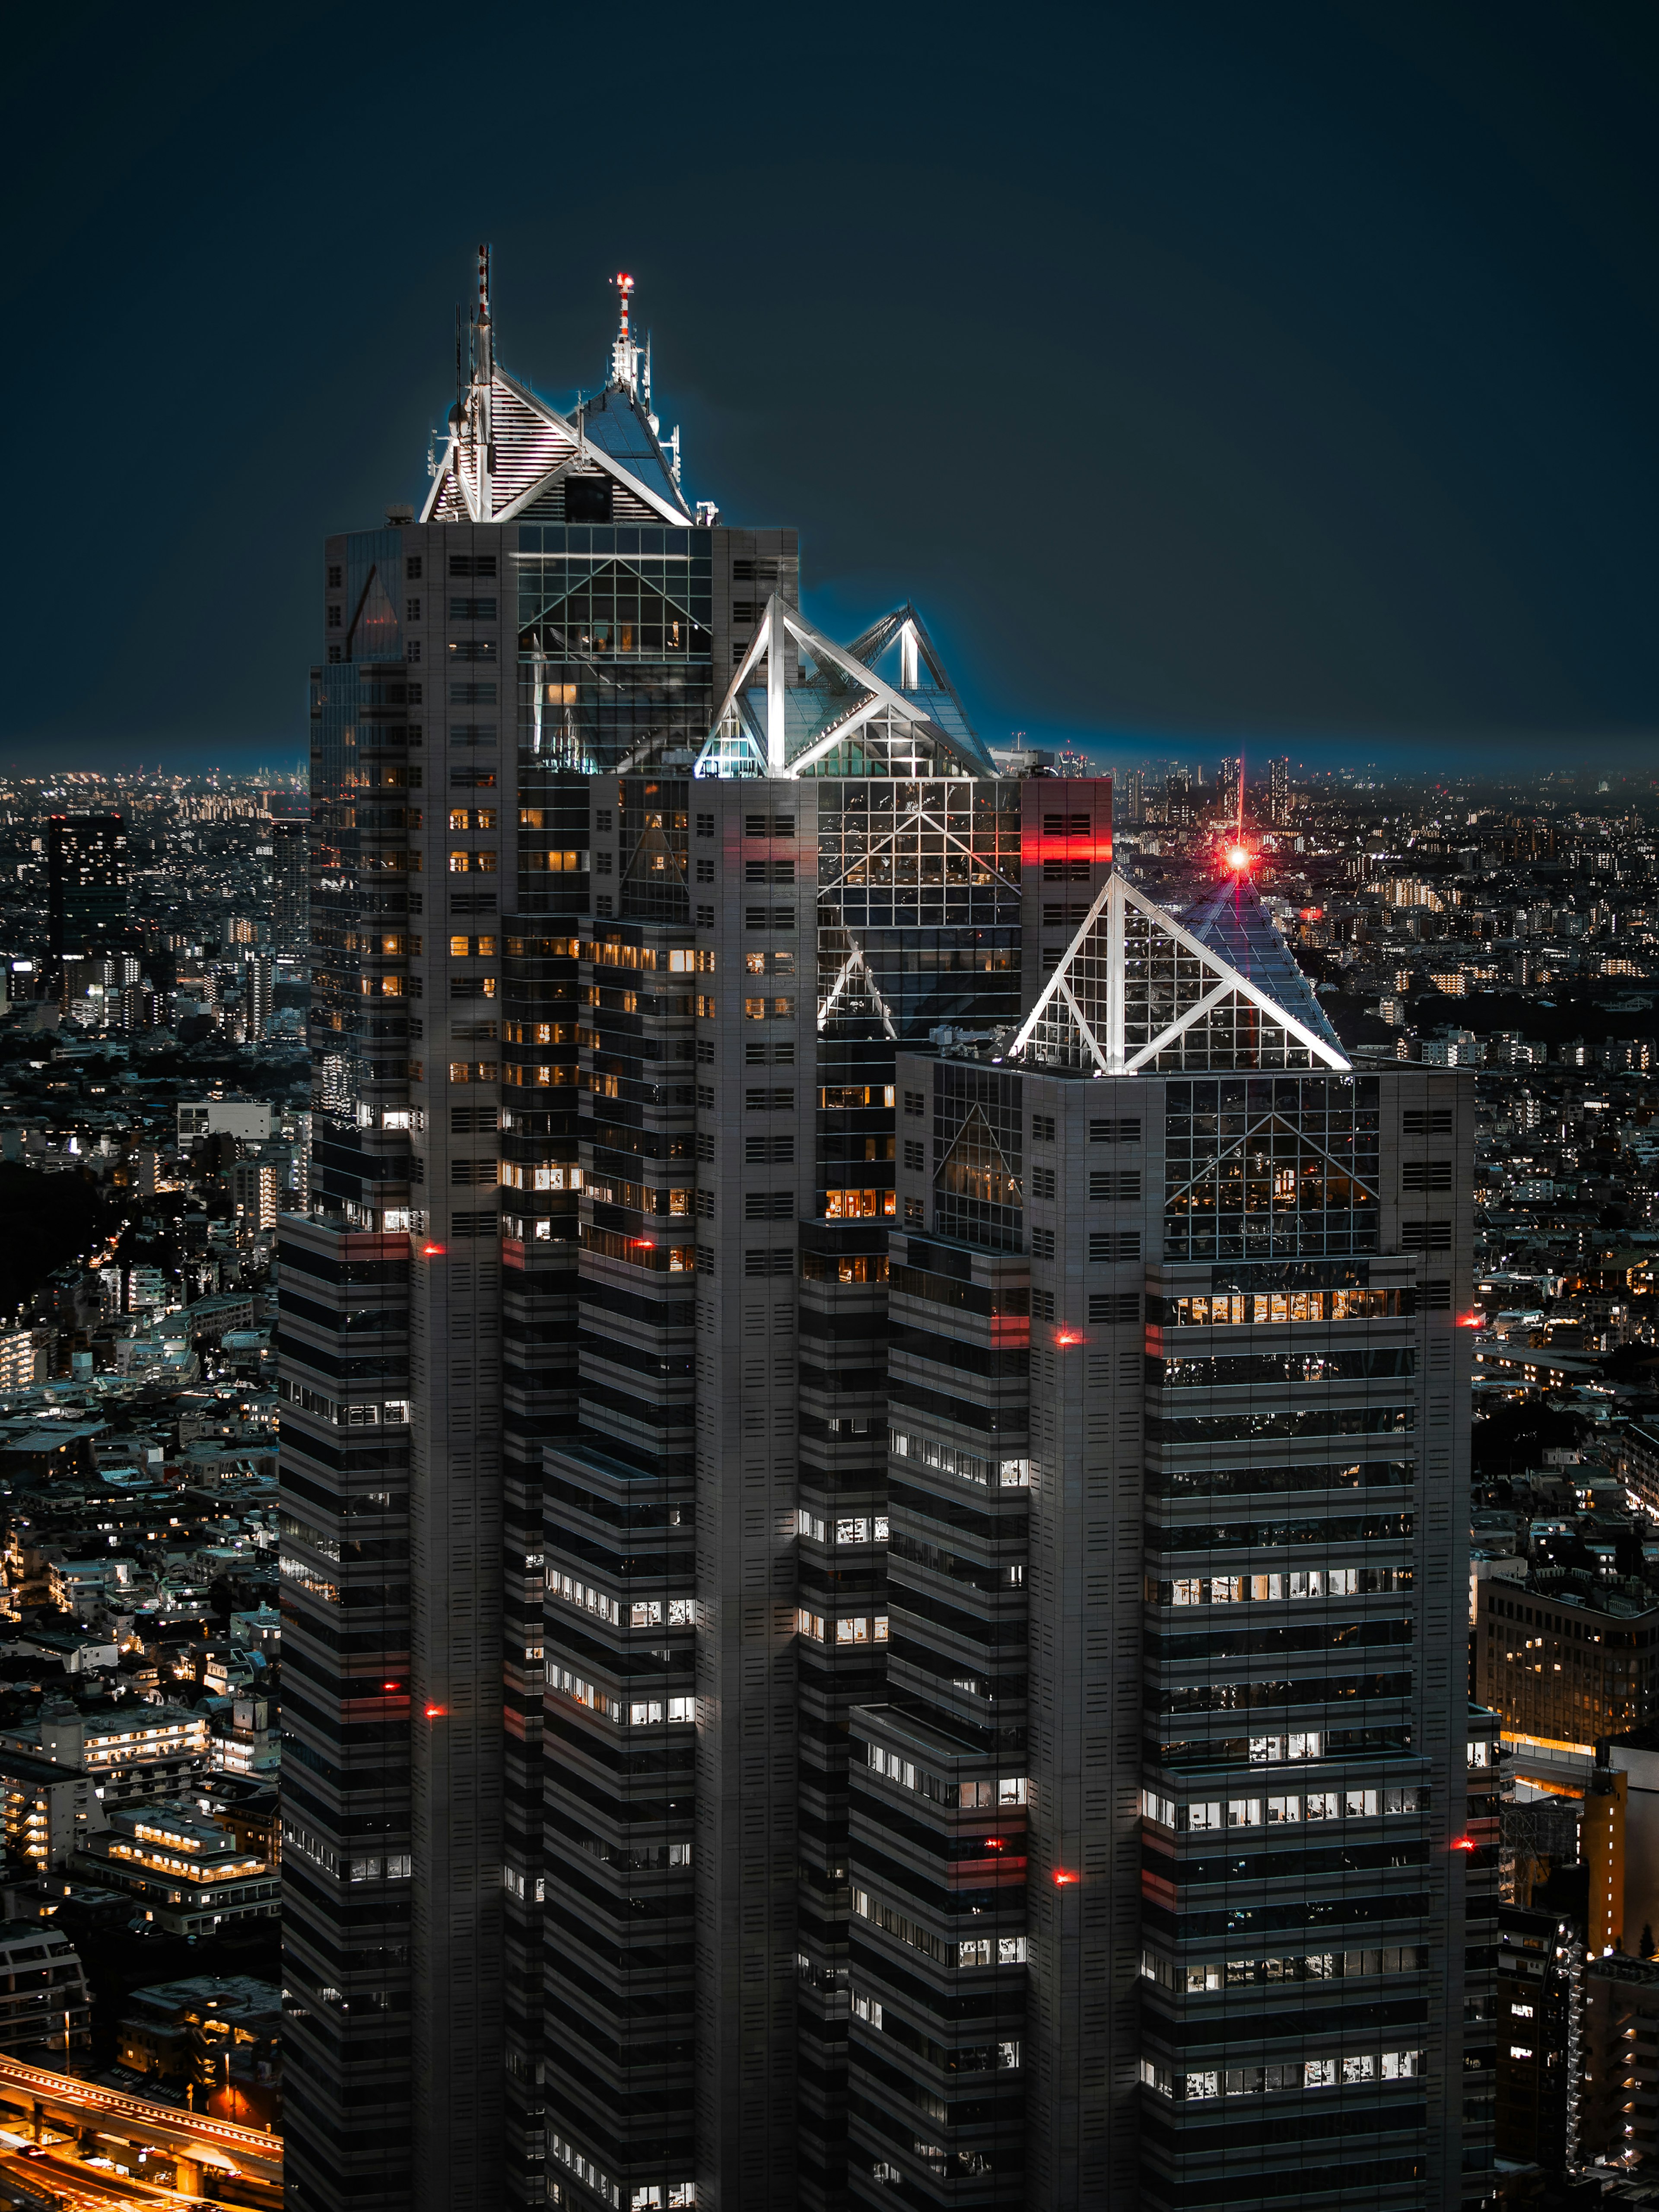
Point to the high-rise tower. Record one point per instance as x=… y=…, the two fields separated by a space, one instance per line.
x=1157 y=1840
x=86 y=883
x=695 y=1624
x=1279 y=790
x=284 y=844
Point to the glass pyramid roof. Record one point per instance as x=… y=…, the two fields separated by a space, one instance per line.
x=613 y=422
x=1233 y=922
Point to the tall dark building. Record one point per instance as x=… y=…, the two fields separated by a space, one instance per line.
x=86 y=883
x=745 y=1747
x=1278 y=791
x=285 y=847
x=1157 y=1890
x=1541 y=1963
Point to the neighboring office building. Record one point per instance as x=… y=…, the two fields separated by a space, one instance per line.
x=246 y=1119
x=182 y=1866
x=48 y=1810
x=1636 y=1458
x=1561 y=1669
x=249 y=1809
x=1601 y=1840
x=45 y=2006
x=259 y=1001
x=596 y=1283
x=249 y=1742
x=153 y=2036
x=256 y=1193
x=132 y=1752
x=1617 y=2116
x=26 y=1358
x=86 y=884
x=1636 y=1756
x=1540 y=1963
x=284 y=846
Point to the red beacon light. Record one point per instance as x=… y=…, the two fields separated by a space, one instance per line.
x=1238 y=857
x=1063 y=1879
x=432 y=1251
x=1065 y=1336
x=435 y=1712
x=1463 y=1844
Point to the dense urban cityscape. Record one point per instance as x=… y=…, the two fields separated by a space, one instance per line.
x=655 y=1318
x=155 y=1097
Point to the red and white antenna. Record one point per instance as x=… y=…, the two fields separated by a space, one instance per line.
x=624 y=354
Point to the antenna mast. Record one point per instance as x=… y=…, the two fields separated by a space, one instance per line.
x=624 y=354
x=485 y=359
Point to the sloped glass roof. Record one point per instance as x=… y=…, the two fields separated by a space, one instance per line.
x=1233 y=922
x=613 y=422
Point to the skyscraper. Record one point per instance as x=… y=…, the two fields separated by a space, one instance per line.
x=86 y=883
x=259 y=994
x=1278 y=791
x=285 y=845
x=1158 y=1894
x=1229 y=784
x=697 y=1625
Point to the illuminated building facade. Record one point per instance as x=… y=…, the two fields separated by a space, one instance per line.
x=1565 y=1661
x=634 y=898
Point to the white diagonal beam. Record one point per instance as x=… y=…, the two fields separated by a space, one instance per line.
x=1114 y=971
x=845 y=728
x=1217 y=966
x=1084 y=1029
x=1052 y=987
x=776 y=727
x=1212 y=997
x=436 y=491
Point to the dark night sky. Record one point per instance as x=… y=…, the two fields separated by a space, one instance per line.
x=1202 y=373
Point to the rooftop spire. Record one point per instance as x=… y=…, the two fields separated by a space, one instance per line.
x=485 y=344
x=624 y=354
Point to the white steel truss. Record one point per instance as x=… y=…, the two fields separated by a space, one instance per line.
x=886 y=717
x=1133 y=990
